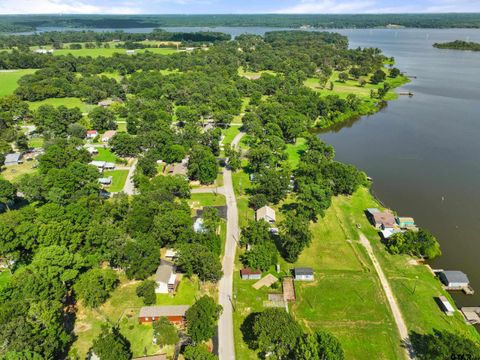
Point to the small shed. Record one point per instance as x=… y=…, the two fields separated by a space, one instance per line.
x=174 y=313
x=13 y=159
x=250 y=274
x=105 y=181
x=92 y=150
x=303 y=274
x=266 y=213
x=105 y=103
x=454 y=279
x=445 y=305
x=109 y=166
x=100 y=165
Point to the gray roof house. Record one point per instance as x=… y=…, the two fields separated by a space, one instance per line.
x=13 y=159
x=166 y=278
x=303 y=274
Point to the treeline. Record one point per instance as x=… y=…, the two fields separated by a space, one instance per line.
x=458 y=45
x=56 y=38
x=10 y=23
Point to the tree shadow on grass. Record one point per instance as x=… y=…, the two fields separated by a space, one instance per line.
x=247 y=330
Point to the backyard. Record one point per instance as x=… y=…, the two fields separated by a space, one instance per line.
x=119 y=177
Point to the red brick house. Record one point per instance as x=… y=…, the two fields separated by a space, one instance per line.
x=175 y=313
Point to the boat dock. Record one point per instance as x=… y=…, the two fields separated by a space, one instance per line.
x=471 y=314
x=408 y=93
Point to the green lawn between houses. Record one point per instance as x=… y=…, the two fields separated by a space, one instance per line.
x=118 y=179
x=105 y=155
x=68 y=102
x=9 y=80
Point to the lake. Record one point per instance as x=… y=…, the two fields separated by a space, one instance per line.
x=422 y=152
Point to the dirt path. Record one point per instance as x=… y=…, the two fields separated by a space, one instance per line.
x=397 y=315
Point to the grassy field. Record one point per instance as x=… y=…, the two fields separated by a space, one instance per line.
x=253 y=74
x=9 y=80
x=13 y=173
x=36 y=142
x=294 y=151
x=105 y=155
x=68 y=102
x=118 y=181
x=111 y=51
x=200 y=200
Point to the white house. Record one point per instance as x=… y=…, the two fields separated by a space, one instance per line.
x=303 y=274
x=165 y=278
x=266 y=213
x=92 y=134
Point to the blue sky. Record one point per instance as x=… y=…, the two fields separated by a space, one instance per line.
x=234 y=6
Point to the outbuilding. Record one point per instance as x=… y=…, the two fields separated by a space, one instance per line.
x=13 y=159
x=445 y=305
x=249 y=274
x=405 y=222
x=174 y=313
x=108 y=135
x=105 y=181
x=266 y=213
x=383 y=220
x=454 y=279
x=91 y=134
x=303 y=274
x=166 y=278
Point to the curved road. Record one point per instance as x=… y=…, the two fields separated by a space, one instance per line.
x=226 y=348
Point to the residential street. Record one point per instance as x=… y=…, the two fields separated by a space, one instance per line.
x=129 y=187
x=226 y=348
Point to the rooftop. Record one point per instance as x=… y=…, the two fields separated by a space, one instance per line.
x=385 y=218
x=264 y=212
x=303 y=271
x=164 y=271
x=158 y=311
x=248 y=271
x=13 y=157
x=455 y=276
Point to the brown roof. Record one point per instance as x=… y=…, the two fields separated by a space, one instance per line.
x=384 y=218
x=158 y=311
x=248 y=271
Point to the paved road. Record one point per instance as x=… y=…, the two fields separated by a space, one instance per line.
x=397 y=315
x=226 y=348
x=129 y=187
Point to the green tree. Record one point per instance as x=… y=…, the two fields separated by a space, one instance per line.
x=202 y=165
x=261 y=256
x=102 y=119
x=7 y=193
x=295 y=234
x=378 y=76
x=175 y=153
x=255 y=232
x=318 y=346
x=198 y=352
x=342 y=77
x=146 y=290
x=111 y=345
x=165 y=332
x=124 y=144
x=94 y=286
x=444 y=345
x=394 y=72
x=202 y=319
x=234 y=161
x=275 y=332
x=200 y=260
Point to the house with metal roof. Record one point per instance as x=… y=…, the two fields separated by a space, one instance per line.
x=174 y=313
x=405 y=222
x=266 y=213
x=166 y=278
x=383 y=220
x=250 y=274
x=303 y=274
x=454 y=279
x=13 y=159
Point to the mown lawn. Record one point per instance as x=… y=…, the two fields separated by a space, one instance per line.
x=294 y=151
x=36 y=142
x=187 y=292
x=201 y=200
x=105 y=155
x=9 y=80
x=14 y=172
x=67 y=102
x=122 y=308
x=119 y=177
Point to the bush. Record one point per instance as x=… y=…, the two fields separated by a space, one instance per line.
x=165 y=332
x=418 y=243
x=146 y=290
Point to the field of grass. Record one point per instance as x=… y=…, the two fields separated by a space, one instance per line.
x=122 y=308
x=13 y=173
x=68 y=102
x=111 y=51
x=200 y=200
x=105 y=155
x=118 y=181
x=9 y=80
x=36 y=142
x=250 y=74
x=294 y=151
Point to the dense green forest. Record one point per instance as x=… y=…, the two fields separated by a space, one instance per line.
x=16 y=23
x=458 y=45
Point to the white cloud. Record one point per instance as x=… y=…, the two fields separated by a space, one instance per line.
x=328 y=6
x=63 y=7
